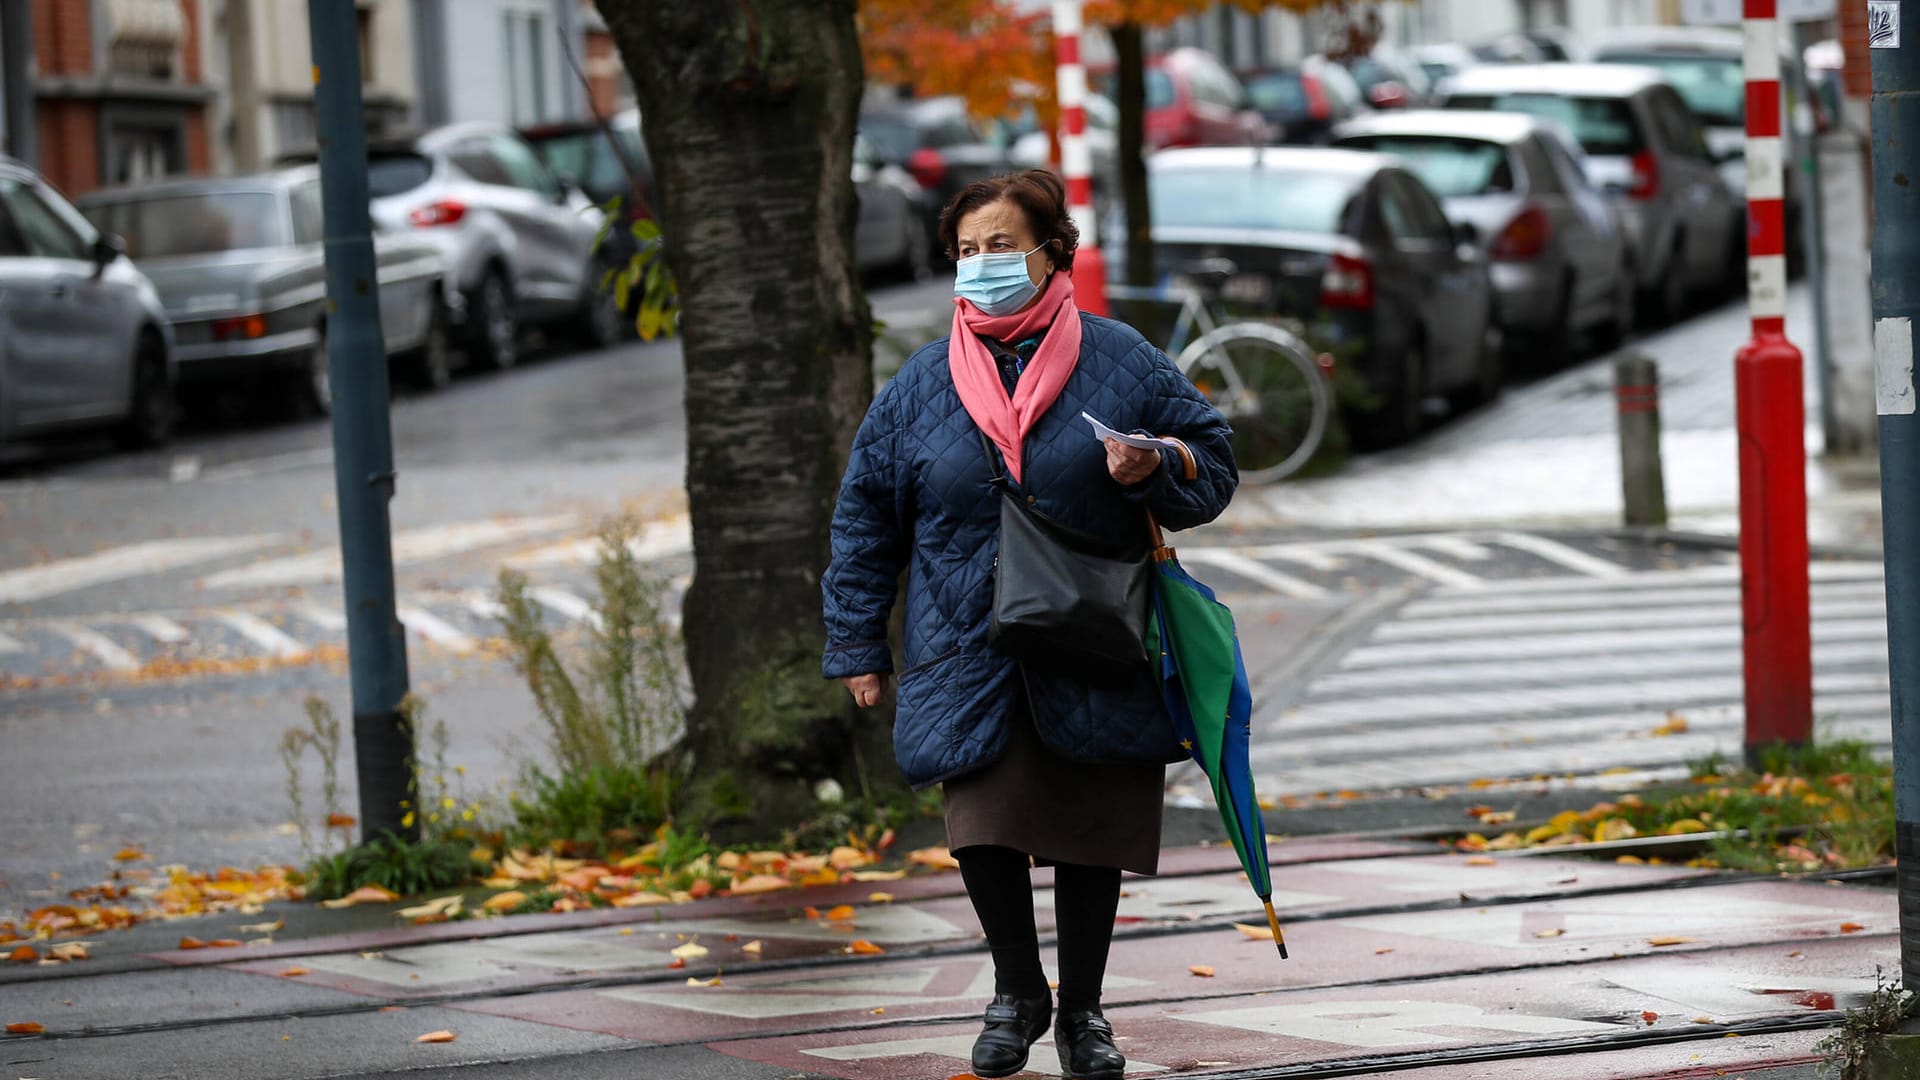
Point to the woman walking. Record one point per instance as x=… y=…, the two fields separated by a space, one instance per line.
x=1038 y=765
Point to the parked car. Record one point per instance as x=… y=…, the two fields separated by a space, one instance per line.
x=84 y=340
x=605 y=167
x=1390 y=79
x=1645 y=149
x=1351 y=244
x=1706 y=65
x=518 y=241
x=1192 y=100
x=1442 y=61
x=936 y=141
x=1560 y=262
x=891 y=232
x=240 y=267
x=1033 y=148
x=1302 y=104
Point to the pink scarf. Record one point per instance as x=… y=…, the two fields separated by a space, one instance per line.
x=977 y=377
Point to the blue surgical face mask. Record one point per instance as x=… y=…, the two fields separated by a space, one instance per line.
x=997 y=283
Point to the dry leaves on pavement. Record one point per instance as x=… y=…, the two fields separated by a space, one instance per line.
x=437 y=1037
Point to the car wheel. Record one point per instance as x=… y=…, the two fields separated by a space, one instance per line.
x=601 y=322
x=1489 y=371
x=1613 y=333
x=431 y=366
x=917 y=265
x=1400 y=416
x=152 y=412
x=313 y=387
x=1666 y=302
x=494 y=341
x=1553 y=346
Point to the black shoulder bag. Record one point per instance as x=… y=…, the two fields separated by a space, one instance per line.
x=1064 y=599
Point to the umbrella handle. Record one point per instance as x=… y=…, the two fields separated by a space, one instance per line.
x=1273 y=922
x=1157 y=539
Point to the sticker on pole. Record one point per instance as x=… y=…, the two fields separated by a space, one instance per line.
x=1883 y=27
x=1893 y=366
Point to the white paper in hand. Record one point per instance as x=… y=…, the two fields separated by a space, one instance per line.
x=1103 y=432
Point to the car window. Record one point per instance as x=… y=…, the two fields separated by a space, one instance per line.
x=46 y=233
x=1450 y=166
x=1680 y=131
x=1567 y=168
x=473 y=158
x=1278 y=92
x=1245 y=198
x=308 y=222
x=1712 y=88
x=1604 y=127
x=12 y=244
x=1410 y=212
x=523 y=166
x=195 y=224
x=392 y=174
x=893 y=137
x=1159 y=87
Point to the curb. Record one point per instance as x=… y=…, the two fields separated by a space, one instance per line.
x=1717 y=541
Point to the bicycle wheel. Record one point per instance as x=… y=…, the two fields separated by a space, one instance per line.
x=1268 y=385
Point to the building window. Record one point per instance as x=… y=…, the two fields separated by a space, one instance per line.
x=144 y=150
x=525 y=33
x=145 y=37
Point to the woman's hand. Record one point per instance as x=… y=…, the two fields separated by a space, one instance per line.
x=1130 y=464
x=867 y=690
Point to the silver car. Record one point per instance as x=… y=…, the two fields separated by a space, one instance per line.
x=241 y=269
x=519 y=241
x=1646 y=150
x=84 y=341
x=1559 y=257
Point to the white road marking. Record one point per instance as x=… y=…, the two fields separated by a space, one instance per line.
x=566 y=604
x=262 y=633
x=1556 y=552
x=328 y=619
x=10 y=645
x=1729 y=593
x=411 y=546
x=435 y=629
x=160 y=628
x=1464 y=626
x=1587 y=644
x=298 y=459
x=1306 y=555
x=1419 y=565
x=1235 y=563
x=31 y=583
x=97 y=645
x=1458 y=547
x=1634 y=581
x=656 y=540
x=483 y=605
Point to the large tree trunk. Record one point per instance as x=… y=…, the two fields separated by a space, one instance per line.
x=1127 y=48
x=749 y=110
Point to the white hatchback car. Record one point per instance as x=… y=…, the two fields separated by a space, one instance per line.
x=84 y=341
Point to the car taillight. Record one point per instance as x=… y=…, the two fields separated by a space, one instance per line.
x=1316 y=97
x=928 y=167
x=1347 y=282
x=440 y=213
x=240 y=326
x=1646 y=176
x=1524 y=237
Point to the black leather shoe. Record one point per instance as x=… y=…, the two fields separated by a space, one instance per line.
x=1085 y=1040
x=1014 y=1024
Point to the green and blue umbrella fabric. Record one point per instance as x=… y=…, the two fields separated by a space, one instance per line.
x=1203 y=678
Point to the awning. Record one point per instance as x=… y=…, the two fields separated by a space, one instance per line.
x=147 y=24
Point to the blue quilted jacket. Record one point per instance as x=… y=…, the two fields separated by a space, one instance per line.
x=918 y=496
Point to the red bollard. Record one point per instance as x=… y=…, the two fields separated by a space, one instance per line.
x=1090 y=281
x=1771 y=416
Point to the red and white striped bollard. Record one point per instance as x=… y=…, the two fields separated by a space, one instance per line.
x=1076 y=163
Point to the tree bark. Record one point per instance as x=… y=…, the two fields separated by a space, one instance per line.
x=1128 y=50
x=750 y=108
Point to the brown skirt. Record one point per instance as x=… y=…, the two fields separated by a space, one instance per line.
x=1059 y=811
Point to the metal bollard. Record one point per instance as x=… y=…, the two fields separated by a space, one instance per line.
x=1636 y=391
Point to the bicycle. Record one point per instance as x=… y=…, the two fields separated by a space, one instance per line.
x=1274 y=390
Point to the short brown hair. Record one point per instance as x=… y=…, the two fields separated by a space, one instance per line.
x=1037 y=192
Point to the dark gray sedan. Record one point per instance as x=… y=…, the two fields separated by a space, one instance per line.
x=240 y=268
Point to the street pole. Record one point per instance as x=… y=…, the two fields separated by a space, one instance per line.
x=1076 y=161
x=1894 y=109
x=1770 y=412
x=362 y=434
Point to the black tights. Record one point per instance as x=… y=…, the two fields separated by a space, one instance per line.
x=1085 y=899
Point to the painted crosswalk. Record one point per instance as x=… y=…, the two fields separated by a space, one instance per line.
x=1556 y=676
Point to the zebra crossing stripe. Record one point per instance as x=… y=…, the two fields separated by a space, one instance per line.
x=1635 y=581
x=326 y=619
x=30 y=583
x=566 y=604
x=1418 y=565
x=1589 y=643
x=1556 y=552
x=1593 y=619
x=1235 y=563
x=268 y=637
x=410 y=546
x=1457 y=547
x=1451 y=604
x=160 y=628
x=435 y=629
x=1309 y=556
x=98 y=646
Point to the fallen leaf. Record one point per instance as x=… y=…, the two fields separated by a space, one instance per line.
x=72 y=950
x=701 y=889
x=843 y=913
x=1851 y=928
x=1201 y=970
x=191 y=942
x=25 y=1028
x=436 y=1037
x=878 y=875
x=880 y=898
x=294 y=972
x=691 y=951
x=1383 y=950
x=223 y=943
x=1255 y=933
x=626 y=931
x=863 y=947
x=640 y=899
x=1481 y=860
x=677 y=964
x=365 y=894
x=1675 y=940
x=444 y=907
x=1555 y=932
x=25 y=954
x=273 y=927
x=761 y=883
x=505 y=901
x=129 y=854
x=1649 y=1016
x=938 y=858
x=1498 y=817
x=341 y=821
x=810 y=912
x=715 y=981
x=752 y=948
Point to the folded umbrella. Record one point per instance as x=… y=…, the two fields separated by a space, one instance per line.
x=1203 y=678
